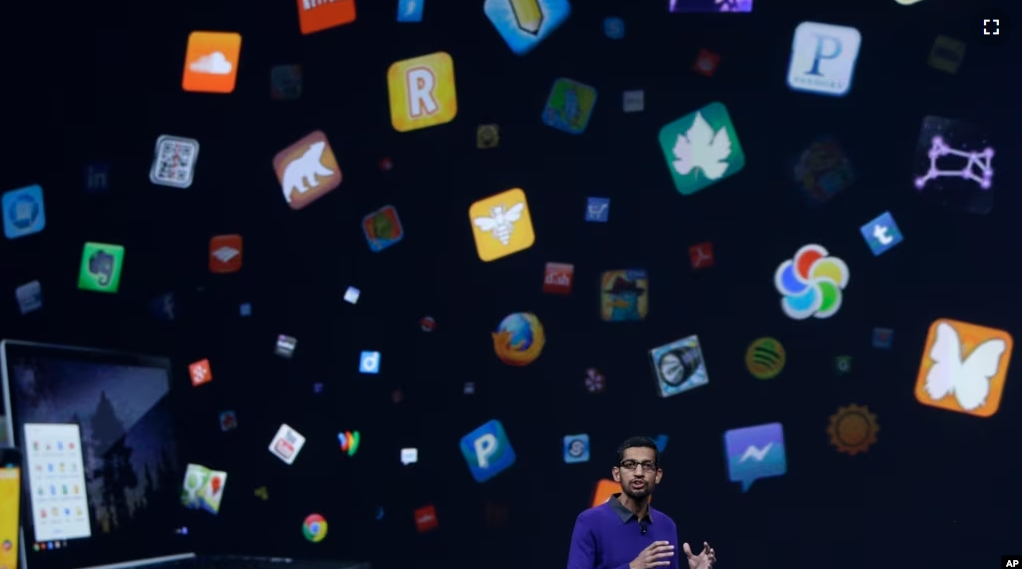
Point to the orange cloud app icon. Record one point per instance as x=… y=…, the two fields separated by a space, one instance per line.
x=963 y=368
x=604 y=490
x=211 y=62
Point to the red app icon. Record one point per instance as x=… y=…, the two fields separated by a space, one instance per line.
x=558 y=278
x=225 y=254
x=425 y=519
x=701 y=255
x=706 y=63
x=200 y=372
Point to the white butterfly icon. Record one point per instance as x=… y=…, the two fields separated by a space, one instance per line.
x=967 y=379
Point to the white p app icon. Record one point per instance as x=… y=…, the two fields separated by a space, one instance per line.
x=485 y=446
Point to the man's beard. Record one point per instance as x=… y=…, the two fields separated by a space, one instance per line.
x=637 y=495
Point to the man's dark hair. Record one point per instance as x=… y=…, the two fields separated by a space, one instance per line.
x=637 y=442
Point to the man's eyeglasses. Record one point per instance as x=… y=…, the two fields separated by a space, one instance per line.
x=633 y=464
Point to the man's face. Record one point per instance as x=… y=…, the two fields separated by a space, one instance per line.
x=638 y=483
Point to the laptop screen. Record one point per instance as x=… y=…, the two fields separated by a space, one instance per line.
x=102 y=471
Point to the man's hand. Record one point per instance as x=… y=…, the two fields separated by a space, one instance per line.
x=655 y=555
x=704 y=560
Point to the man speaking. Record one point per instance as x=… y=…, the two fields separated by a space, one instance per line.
x=625 y=533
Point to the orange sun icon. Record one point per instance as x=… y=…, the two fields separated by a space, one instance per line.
x=853 y=429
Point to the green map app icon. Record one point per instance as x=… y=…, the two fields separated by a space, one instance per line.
x=701 y=148
x=101 y=267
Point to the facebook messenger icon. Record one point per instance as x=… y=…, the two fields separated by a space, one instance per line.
x=754 y=453
x=487 y=451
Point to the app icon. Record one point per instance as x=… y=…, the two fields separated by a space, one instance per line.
x=422 y=92
x=285 y=346
x=624 y=295
x=501 y=225
x=569 y=106
x=286 y=444
x=318 y=15
x=765 y=358
x=595 y=382
x=953 y=163
x=597 y=209
x=382 y=228
x=558 y=278
x=211 y=62
x=604 y=490
x=348 y=441
x=633 y=101
x=811 y=283
x=369 y=362
x=946 y=54
x=285 y=82
x=727 y=6
x=576 y=448
x=314 y=528
x=754 y=453
x=661 y=442
x=200 y=372
x=101 y=266
x=307 y=170
x=843 y=365
x=351 y=295
x=409 y=456
x=525 y=23
x=881 y=234
x=964 y=367
x=519 y=339
x=883 y=338
x=487 y=136
x=29 y=296
x=706 y=63
x=701 y=255
x=202 y=488
x=410 y=11
x=174 y=162
x=701 y=148
x=228 y=421
x=487 y=451
x=823 y=58
x=614 y=28
x=853 y=429
x=678 y=367
x=425 y=519
x=822 y=170
x=24 y=211
x=97 y=177
x=225 y=254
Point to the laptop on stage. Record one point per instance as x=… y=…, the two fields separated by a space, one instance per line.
x=103 y=468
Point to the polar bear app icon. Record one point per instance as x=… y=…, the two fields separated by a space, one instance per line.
x=307 y=170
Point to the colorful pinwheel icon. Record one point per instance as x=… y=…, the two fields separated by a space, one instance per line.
x=811 y=283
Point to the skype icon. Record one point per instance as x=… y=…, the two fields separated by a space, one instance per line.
x=369 y=362
x=576 y=448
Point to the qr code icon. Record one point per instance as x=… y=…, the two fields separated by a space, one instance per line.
x=174 y=163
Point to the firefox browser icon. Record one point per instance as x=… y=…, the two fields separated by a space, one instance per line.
x=314 y=528
x=519 y=339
